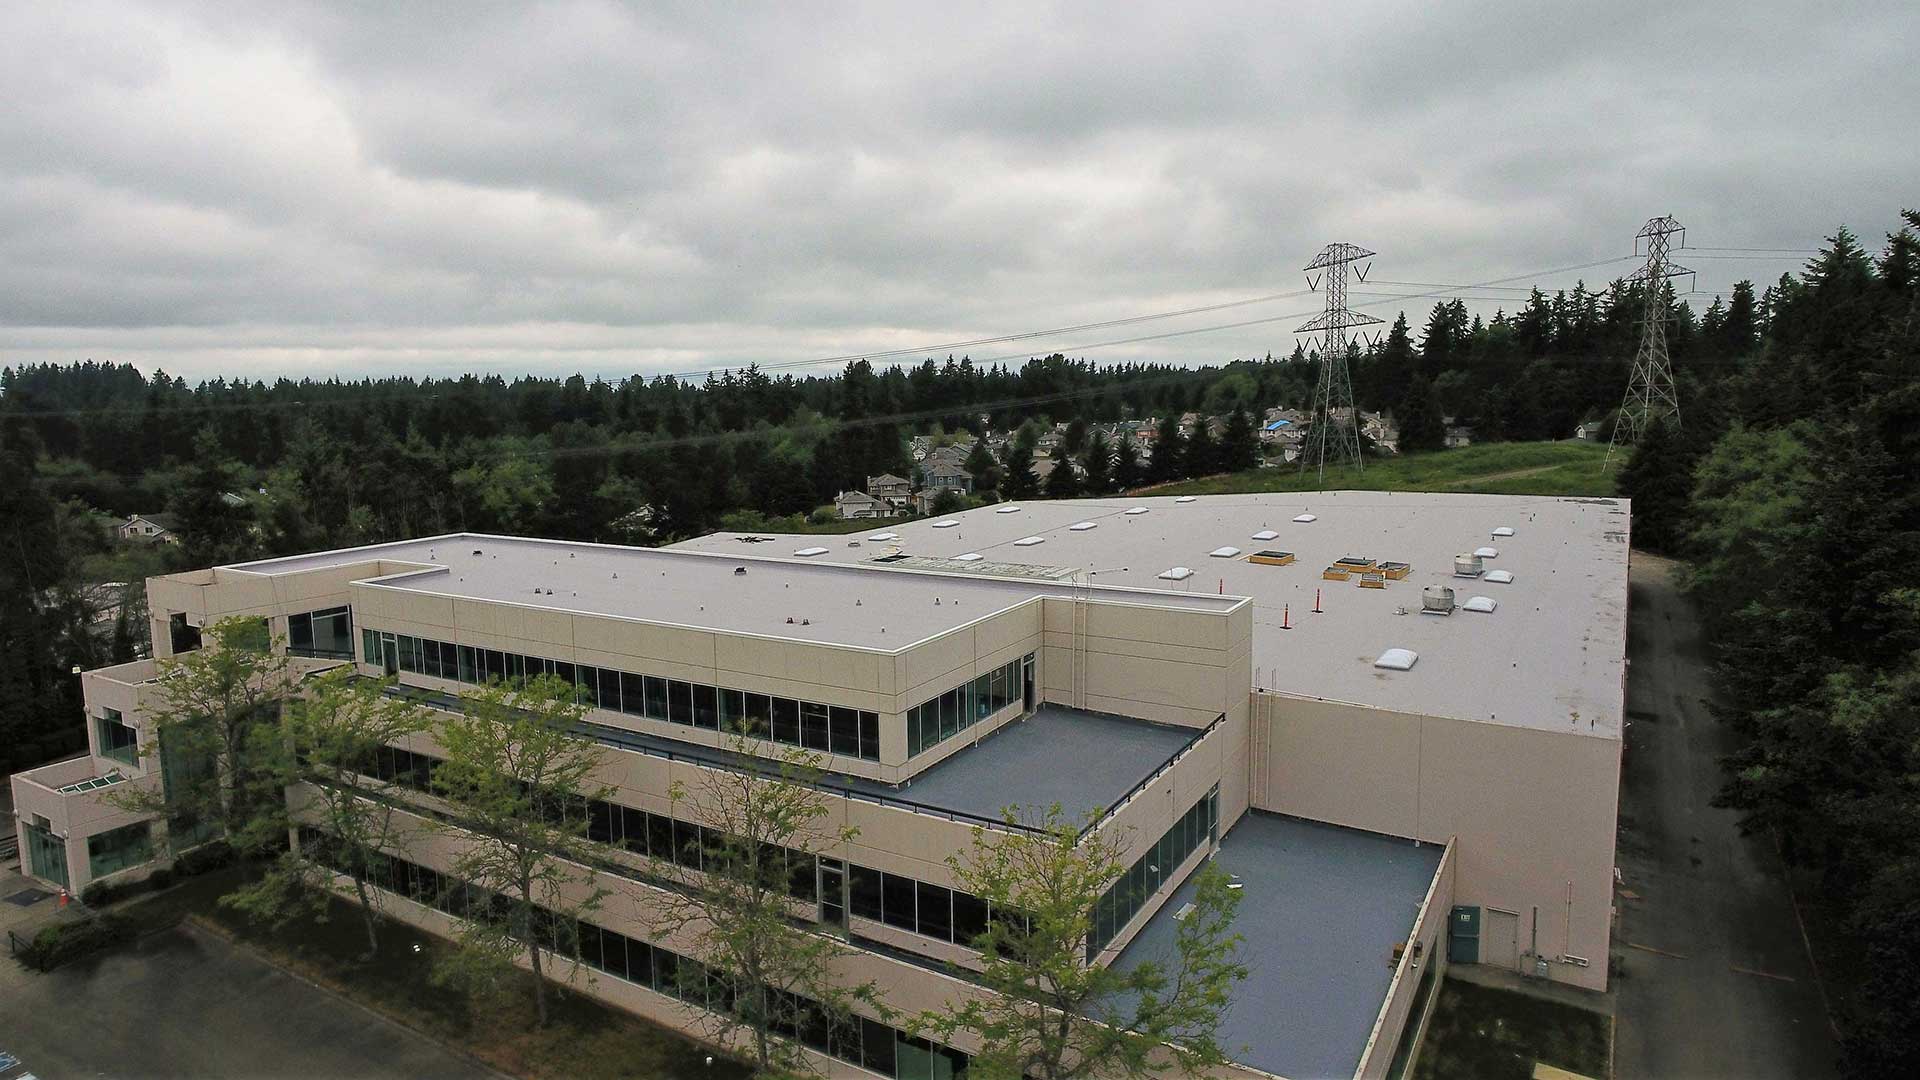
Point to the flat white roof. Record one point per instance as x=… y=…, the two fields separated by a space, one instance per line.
x=766 y=589
x=1552 y=657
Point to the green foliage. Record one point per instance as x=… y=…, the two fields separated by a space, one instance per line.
x=1097 y=465
x=64 y=942
x=740 y=910
x=519 y=779
x=1064 y=481
x=1423 y=427
x=1052 y=1015
x=1016 y=471
x=1562 y=468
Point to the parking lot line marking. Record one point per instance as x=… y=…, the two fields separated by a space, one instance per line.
x=1656 y=952
x=1762 y=974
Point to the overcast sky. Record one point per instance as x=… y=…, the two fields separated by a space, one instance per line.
x=287 y=189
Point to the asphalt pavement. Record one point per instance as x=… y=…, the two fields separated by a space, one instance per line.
x=185 y=1003
x=1713 y=977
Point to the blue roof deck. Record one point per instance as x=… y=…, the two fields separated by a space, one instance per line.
x=1084 y=761
x=1321 y=910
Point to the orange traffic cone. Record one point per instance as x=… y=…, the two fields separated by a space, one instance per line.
x=64 y=898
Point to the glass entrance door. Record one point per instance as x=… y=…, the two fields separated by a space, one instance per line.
x=47 y=856
x=389 y=654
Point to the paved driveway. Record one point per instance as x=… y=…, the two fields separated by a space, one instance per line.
x=1714 y=977
x=186 y=1003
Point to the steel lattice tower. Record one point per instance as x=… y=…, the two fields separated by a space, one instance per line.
x=1651 y=397
x=1335 y=388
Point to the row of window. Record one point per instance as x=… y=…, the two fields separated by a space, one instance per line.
x=325 y=633
x=116 y=849
x=869 y=1044
x=1125 y=897
x=953 y=712
x=916 y=906
x=833 y=729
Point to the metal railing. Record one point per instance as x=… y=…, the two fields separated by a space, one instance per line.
x=1156 y=774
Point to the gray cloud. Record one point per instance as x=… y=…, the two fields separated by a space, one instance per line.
x=425 y=189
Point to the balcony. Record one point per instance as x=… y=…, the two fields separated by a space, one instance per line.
x=74 y=795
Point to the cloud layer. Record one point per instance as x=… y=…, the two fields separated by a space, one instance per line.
x=429 y=189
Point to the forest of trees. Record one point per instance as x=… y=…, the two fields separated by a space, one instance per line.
x=1791 y=492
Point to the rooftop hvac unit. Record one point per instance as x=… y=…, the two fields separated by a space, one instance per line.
x=1467 y=564
x=1436 y=600
x=1271 y=557
x=1373 y=579
x=1358 y=564
x=1395 y=571
x=1336 y=572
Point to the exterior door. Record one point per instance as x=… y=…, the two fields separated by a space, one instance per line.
x=47 y=856
x=1500 y=939
x=1026 y=672
x=389 y=654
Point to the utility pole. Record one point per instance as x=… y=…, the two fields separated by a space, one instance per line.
x=1651 y=397
x=1335 y=388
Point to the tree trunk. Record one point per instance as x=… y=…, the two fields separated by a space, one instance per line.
x=533 y=955
x=366 y=915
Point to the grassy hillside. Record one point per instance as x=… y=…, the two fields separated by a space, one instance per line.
x=1534 y=468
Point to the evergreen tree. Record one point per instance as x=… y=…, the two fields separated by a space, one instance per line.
x=1064 y=481
x=981 y=466
x=1169 y=452
x=1126 y=465
x=1201 y=457
x=1239 y=446
x=1099 y=465
x=1016 y=471
x=1423 y=426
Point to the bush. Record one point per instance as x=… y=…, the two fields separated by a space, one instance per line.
x=160 y=879
x=63 y=942
x=102 y=893
x=209 y=856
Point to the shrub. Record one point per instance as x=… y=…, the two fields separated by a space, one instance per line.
x=63 y=942
x=160 y=879
x=209 y=856
x=102 y=893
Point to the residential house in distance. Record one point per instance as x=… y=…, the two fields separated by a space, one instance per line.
x=1458 y=435
x=895 y=491
x=149 y=529
x=854 y=505
x=937 y=476
x=1394 y=793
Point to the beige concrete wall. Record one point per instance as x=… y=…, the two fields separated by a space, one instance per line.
x=1429 y=933
x=1534 y=811
x=1170 y=665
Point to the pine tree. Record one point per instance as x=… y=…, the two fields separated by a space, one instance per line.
x=981 y=466
x=1202 y=457
x=1016 y=471
x=1239 y=446
x=1423 y=427
x=1169 y=452
x=1126 y=465
x=1064 y=481
x=1099 y=465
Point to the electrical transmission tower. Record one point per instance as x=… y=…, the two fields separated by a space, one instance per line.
x=1651 y=398
x=1335 y=389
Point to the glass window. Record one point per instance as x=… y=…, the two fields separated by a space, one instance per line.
x=969 y=917
x=563 y=671
x=496 y=664
x=660 y=838
x=864 y=890
x=936 y=911
x=870 y=736
x=117 y=741
x=633 y=829
x=813 y=726
x=686 y=844
x=680 y=702
x=844 y=730
x=654 y=706
x=610 y=689
x=468 y=669
x=117 y=849
x=632 y=693
x=896 y=901
x=733 y=710
x=876 y=1047
x=759 y=714
x=706 y=707
x=786 y=720
x=603 y=822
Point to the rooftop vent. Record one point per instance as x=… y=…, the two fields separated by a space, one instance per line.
x=1137 y=510
x=739 y=570
x=1481 y=603
x=1436 y=600
x=1504 y=530
x=1006 y=509
x=1083 y=526
x=1266 y=534
x=1224 y=552
x=1304 y=518
x=1499 y=577
x=810 y=552
x=1397 y=660
x=883 y=536
x=1176 y=573
x=1466 y=565
x=947 y=524
x=1029 y=541
x=1487 y=552
x=971 y=556
x=1184 y=499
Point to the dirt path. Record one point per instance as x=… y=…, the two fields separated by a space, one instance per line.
x=1510 y=474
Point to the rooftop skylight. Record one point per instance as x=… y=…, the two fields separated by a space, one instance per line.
x=1176 y=573
x=971 y=556
x=1304 y=518
x=1224 y=552
x=1487 y=552
x=1137 y=510
x=1083 y=526
x=1504 y=530
x=1029 y=541
x=1006 y=509
x=1481 y=603
x=882 y=536
x=1266 y=534
x=947 y=524
x=1184 y=499
x=1499 y=577
x=810 y=552
x=1397 y=660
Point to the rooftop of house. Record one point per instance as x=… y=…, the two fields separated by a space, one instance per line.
x=1321 y=908
x=1552 y=655
x=746 y=588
